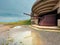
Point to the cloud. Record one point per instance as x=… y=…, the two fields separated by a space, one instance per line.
x=12 y=10
x=12 y=19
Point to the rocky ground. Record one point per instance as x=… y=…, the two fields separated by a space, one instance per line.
x=25 y=35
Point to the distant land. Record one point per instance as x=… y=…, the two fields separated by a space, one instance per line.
x=22 y=22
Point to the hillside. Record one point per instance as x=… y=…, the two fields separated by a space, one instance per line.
x=24 y=22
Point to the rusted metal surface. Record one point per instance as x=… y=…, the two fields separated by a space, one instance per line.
x=48 y=20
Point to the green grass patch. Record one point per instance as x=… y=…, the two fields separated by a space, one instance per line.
x=23 y=22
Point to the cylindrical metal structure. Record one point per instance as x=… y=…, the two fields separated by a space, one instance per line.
x=44 y=6
x=41 y=7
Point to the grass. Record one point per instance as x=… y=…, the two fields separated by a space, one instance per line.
x=23 y=22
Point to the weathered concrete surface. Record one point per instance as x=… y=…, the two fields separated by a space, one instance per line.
x=38 y=37
x=50 y=38
x=47 y=37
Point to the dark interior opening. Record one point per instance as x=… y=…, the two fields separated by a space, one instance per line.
x=57 y=16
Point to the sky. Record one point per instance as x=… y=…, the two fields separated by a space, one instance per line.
x=12 y=10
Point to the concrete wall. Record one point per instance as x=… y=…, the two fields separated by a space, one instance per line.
x=46 y=37
x=50 y=38
x=59 y=22
x=59 y=7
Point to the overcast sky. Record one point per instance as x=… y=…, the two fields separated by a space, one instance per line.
x=12 y=10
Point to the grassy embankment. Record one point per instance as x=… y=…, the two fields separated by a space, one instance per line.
x=23 y=22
